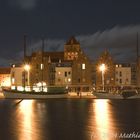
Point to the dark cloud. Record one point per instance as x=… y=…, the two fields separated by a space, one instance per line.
x=24 y=4
x=119 y=41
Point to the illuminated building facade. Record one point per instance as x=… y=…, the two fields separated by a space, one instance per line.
x=123 y=75
x=71 y=67
x=5 y=77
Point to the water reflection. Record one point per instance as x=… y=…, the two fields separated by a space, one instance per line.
x=28 y=128
x=26 y=111
x=103 y=121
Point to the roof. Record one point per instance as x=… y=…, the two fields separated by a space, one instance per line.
x=71 y=41
x=54 y=56
x=5 y=70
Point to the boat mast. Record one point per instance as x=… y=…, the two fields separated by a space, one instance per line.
x=137 y=47
x=24 y=59
x=25 y=40
x=42 y=62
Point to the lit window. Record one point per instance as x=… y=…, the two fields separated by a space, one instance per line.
x=83 y=66
x=59 y=72
x=69 y=80
x=41 y=66
x=116 y=66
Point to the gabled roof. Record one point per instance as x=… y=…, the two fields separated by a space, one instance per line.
x=71 y=41
x=5 y=70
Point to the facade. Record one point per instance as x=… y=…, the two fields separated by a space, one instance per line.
x=123 y=75
x=68 y=68
x=17 y=76
x=109 y=72
x=63 y=76
x=81 y=65
x=5 y=77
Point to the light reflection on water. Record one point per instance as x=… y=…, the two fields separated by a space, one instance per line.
x=28 y=120
x=103 y=120
x=70 y=119
x=26 y=117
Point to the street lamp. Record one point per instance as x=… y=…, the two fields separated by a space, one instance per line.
x=27 y=68
x=102 y=68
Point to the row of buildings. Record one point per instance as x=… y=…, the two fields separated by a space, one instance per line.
x=71 y=68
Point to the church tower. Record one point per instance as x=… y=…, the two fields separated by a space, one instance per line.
x=71 y=49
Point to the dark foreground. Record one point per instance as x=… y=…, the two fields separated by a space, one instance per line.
x=69 y=119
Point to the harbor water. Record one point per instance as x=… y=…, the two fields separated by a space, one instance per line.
x=69 y=119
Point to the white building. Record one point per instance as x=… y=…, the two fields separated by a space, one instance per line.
x=122 y=75
x=17 y=76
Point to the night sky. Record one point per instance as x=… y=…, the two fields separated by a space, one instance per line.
x=96 y=24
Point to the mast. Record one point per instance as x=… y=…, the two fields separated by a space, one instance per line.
x=137 y=47
x=25 y=41
x=24 y=59
x=42 y=62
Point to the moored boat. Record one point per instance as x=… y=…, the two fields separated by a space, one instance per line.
x=52 y=92
x=106 y=95
x=123 y=94
x=129 y=94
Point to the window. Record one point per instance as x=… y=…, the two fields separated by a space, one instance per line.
x=120 y=73
x=83 y=66
x=37 y=66
x=41 y=66
x=69 y=72
x=65 y=74
x=120 y=81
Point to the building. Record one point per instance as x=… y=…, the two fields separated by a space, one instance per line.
x=68 y=68
x=123 y=75
x=81 y=65
x=63 y=74
x=5 y=77
x=17 y=77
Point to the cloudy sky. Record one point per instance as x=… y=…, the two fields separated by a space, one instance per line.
x=97 y=24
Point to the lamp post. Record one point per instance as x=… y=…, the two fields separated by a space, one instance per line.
x=27 y=68
x=102 y=68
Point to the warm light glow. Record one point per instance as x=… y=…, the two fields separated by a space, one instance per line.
x=13 y=87
x=5 y=82
x=20 y=88
x=83 y=66
x=69 y=79
x=41 y=66
x=38 y=87
x=59 y=72
x=26 y=112
x=27 y=67
x=102 y=118
x=102 y=67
